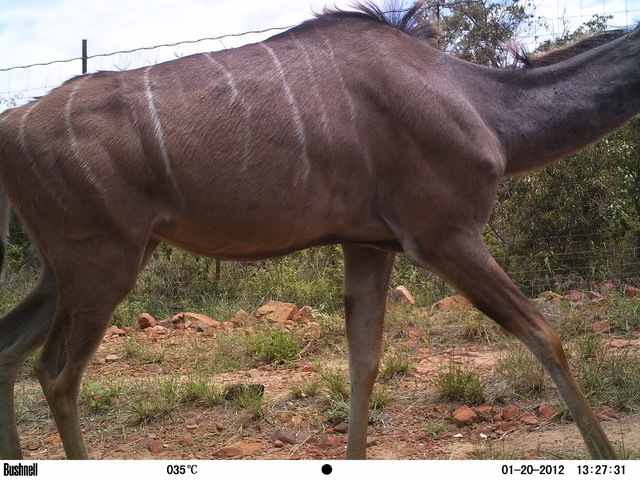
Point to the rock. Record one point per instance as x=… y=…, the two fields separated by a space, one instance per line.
x=546 y=412
x=630 y=291
x=145 y=320
x=229 y=451
x=548 y=296
x=574 y=296
x=506 y=426
x=341 y=428
x=529 y=419
x=606 y=287
x=510 y=412
x=284 y=437
x=154 y=368
x=330 y=441
x=403 y=296
x=600 y=327
x=464 y=415
x=239 y=449
x=114 y=331
x=606 y=414
x=112 y=358
x=441 y=408
x=485 y=412
x=414 y=334
x=304 y=315
x=619 y=343
x=155 y=446
x=197 y=320
x=278 y=312
x=451 y=303
x=240 y=318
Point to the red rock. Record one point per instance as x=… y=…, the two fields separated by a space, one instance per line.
x=529 y=419
x=546 y=412
x=284 y=437
x=238 y=449
x=506 y=426
x=241 y=318
x=145 y=320
x=402 y=295
x=304 y=315
x=547 y=296
x=464 y=415
x=606 y=414
x=619 y=343
x=197 y=320
x=510 y=412
x=574 y=296
x=451 y=303
x=114 y=331
x=607 y=287
x=600 y=327
x=341 y=428
x=414 y=334
x=155 y=446
x=229 y=451
x=485 y=412
x=278 y=312
x=440 y=408
x=630 y=291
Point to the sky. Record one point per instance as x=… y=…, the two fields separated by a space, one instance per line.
x=40 y=31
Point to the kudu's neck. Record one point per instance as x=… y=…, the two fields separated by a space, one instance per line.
x=543 y=114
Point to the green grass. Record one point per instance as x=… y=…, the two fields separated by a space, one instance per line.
x=524 y=376
x=275 y=347
x=460 y=384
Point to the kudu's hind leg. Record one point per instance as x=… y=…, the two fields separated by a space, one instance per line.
x=22 y=330
x=467 y=265
x=87 y=300
x=366 y=280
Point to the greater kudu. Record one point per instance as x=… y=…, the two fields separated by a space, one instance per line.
x=348 y=129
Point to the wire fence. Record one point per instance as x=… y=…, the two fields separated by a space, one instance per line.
x=22 y=83
x=535 y=271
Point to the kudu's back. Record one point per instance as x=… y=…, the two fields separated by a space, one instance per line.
x=224 y=153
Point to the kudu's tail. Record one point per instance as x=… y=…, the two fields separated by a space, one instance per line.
x=5 y=208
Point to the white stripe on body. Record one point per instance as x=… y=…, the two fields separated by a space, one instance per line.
x=84 y=165
x=236 y=96
x=350 y=103
x=297 y=119
x=315 y=88
x=157 y=128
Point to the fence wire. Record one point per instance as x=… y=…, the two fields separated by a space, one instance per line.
x=540 y=269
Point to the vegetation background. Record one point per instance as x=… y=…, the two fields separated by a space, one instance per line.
x=568 y=226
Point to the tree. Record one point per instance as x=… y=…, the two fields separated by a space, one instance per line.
x=479 y=31
x=576 y=220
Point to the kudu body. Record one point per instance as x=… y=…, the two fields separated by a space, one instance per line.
x=346 y=129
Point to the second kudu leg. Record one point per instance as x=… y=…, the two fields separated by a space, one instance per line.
x=366 y=280
x=22 y=330
x=467 y=265
x=87 y=300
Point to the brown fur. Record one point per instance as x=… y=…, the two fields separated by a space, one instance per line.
x=343 y=130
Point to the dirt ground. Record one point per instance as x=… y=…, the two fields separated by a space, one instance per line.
x=292 y=427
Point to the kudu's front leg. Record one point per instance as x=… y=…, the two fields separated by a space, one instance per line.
x=366 y=281
x=463 y=260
